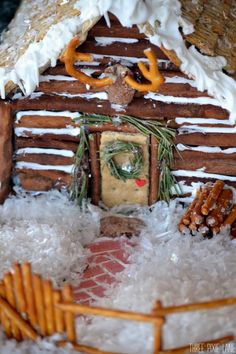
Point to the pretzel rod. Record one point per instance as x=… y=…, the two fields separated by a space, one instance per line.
x=2 y=289
x=6 y=324
x=19 y=288
x=49 y=308
x=8 y=281
x=152 y=74
x=231 y=217
x=69 y=317
x=39 y=302
x=186 y=219
x=216 y=216
x=17 y=320
x=59 y=316
x=193 y=228
x=70 y=56
x=212 y=198
x=196 y=216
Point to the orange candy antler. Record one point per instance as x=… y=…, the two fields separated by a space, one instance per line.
x=70 y=56
x=152 y=74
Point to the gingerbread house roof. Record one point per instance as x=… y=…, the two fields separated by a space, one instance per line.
x=198 y=35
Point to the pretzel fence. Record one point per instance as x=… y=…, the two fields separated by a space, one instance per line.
x=31 y=308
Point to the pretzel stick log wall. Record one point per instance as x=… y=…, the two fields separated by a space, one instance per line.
x=8 y=281
x=212 y=198
x=29 y=293
x=216 y=216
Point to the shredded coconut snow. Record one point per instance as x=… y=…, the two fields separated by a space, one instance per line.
x=50 y=231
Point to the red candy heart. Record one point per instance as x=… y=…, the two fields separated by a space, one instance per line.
x=140 y=182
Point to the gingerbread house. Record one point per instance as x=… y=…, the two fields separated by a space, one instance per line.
x=113 y=141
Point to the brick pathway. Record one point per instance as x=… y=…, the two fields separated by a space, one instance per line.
x=108 y=257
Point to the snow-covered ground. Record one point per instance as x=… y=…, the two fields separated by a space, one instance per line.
x=50 y=232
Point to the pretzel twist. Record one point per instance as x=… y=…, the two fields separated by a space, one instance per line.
x=71 y=56
x=152 y=74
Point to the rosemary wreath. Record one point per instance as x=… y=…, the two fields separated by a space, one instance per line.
x=127 y=171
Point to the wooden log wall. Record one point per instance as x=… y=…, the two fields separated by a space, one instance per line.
x=197 y=117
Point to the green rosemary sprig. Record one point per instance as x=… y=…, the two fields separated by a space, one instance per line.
x=78 y=186
x=117 y=147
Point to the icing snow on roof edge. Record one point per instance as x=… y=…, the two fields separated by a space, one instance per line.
x=206 y=71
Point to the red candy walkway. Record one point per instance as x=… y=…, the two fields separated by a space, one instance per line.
x=108 y=257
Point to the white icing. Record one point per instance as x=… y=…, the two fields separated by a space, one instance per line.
x=206 y=149
x=202 y=174
x=20 y=96
x=127 y=61
x=195 y=121
x=22 y=131
x=37 y=166
x=21 y=114
x=118 y=107
x=182 y=100
x=103 y=41
x=201 y=129
x=59 y=152
x=179 y=80
x=47 y=78
x=88 y=96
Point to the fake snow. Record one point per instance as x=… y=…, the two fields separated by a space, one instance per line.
x=48 y=231
x=164 y=265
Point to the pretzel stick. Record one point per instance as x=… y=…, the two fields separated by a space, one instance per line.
x=193 y=228
x=17 y=320
x=182 y=228
x=59 y=317
x=204 y=230
x=39 y=302
x=6 y=324
x=196 y=216
x=186 y=219
x=231 y=217
x=216 y=216
x=84 y=348
x=29 y=293
x=212 y=198
x=19 y=287
x=49 y=308
x=8 y=281
x=69 y=317
x=70 y=56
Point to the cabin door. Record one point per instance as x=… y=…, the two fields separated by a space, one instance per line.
x=118 y=189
